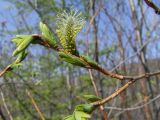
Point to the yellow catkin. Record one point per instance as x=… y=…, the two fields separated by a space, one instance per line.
x=68 y=25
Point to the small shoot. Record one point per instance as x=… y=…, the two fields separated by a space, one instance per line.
x=22 y=42
x=48 y=35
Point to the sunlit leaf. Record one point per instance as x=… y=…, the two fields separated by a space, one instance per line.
x=91 y=98
x=72 y=59
x=87 y=108
x=80 y=115
x=21 y=57
x=90 y=61
x=22 y=44
x=70 y=117
x=48 y=35
x=15 y=65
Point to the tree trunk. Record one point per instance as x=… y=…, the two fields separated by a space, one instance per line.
x=142 y=70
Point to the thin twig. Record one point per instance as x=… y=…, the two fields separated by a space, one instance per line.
x=133 y=55
x=5 y=105
x=115 y=94
x=97 y=94
x=139 y=107
x=121 y=89
x=35 y=105
x=8 y=68
x=153 y=6
x=134 y=108
x=110 y=74
x=93 y=83
x=146 y=75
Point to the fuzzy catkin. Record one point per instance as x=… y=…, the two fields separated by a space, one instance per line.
x=68 y=25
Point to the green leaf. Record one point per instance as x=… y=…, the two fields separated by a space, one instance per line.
x=91 y=98
x=21 y=57
x=82 y=112
x=72 y=59
x=48 y=35
x=79 y=115
x=15 y=65
x=87 y=108
x=24 y=42
x=90 y=61
x=70 y=117
x=18 y=39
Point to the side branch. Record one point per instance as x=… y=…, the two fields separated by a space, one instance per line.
x=123 y=88
x=115 y=94
x=153 y=6
x=8 y=68
x=146 y=75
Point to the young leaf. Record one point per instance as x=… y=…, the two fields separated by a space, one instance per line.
x=18 y=39
x=70 y=117
x=15 y=65
x=21 y=57
x=21 y=46
x=79 y=115
x=91 y=98
x=48 y=35
x=87 y=108
x=72 y=59
x=90 y=61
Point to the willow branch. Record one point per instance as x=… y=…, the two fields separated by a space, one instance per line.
x=38 y=39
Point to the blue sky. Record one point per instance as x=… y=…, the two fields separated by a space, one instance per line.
x=8 y=14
